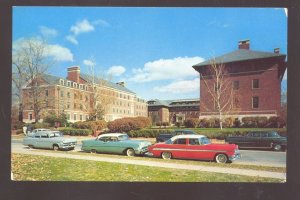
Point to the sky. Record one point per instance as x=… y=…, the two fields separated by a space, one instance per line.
x=151 y=49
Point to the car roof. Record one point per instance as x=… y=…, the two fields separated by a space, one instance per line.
x=111 y=134
x=187 y=136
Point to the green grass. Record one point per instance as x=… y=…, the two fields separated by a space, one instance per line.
x=42 y=168
x=187 y=162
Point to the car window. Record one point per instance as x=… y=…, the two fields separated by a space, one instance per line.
x=204 y=141
x=256 y=134
x=264 y=134
x=123 y=137
x=37 y=136
x=273 y=134
x=44 y=135
x=104 y=139
x=113 y=139
x=194 y=141
x=178 y=133
x=180 y=141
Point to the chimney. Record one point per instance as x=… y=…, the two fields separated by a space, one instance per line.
x=244 y=44
x=277 y=50
x=74 y=73
x=121 y=83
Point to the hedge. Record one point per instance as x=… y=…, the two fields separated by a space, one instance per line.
x=77 y=132
x=221 y=135
x=129 y=123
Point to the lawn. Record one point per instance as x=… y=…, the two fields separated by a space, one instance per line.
x=42 y=168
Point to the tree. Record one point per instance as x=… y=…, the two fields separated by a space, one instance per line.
x=29 y=65
x=102 y=96
x=222 y=99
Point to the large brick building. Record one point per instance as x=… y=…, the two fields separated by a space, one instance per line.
x=173 y=111
x=74 y=97
x=255 y=79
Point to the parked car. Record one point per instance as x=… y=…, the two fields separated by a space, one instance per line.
x=165 y=136
x=196 y=147
x=259 y=139
x=49 y=140
x=117 y=143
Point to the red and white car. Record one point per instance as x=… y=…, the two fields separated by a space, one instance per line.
x=196 y=147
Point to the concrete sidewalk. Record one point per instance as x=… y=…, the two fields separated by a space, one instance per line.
x=244 y=172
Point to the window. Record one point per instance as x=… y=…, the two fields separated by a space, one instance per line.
x=204 y=140
x=74 y=116
x=44 y=136
x=68 y=116
x=68 y=94
x=46 y=93
x=236 y=85
x=255 y=83
x=68 y=83
x=255 y=102
x=68 y=105
x=194 y=141
x=61 y=93
x=80 y=117
x=180 y=141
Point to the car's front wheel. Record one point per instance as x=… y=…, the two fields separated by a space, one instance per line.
x=166 y=155
x=55 y=147
x=130 y=152
x=221 y=158
x=30 y=146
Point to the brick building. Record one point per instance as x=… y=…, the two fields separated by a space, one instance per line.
x=255 y=79
x=173 y=111
x=74 y=97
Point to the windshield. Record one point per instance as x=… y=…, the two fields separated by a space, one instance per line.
x=55 y=134
x=169 y=141
x=274 y=134
x=123 y=137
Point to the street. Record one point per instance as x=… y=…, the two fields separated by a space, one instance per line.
x=249 y=157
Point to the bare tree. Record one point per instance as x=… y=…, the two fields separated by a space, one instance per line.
x=29 y=65
x=222 y=99
x=102 y=96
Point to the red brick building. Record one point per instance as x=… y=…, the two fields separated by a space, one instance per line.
x=255 y=79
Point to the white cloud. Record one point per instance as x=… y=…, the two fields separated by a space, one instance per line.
x=58 y=52
x=83 y=26
x=48 y=32
x=89 y=63
x=116 y=70
x=180 y=87
x=166 y=69
x=101 y=22
x=72 y=39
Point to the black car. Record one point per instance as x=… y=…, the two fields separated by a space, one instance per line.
x=165 y=136
x=259 y=140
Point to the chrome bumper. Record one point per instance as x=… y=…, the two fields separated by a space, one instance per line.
x=235 y=156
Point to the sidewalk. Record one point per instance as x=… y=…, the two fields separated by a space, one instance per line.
x=235 y=171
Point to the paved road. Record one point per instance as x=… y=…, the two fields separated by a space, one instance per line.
x=249 y=157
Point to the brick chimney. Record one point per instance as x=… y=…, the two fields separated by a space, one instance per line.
x=244 y=44
x=277 y=50
x=74 y=73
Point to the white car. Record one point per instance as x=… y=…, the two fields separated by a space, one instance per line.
x=37 y=130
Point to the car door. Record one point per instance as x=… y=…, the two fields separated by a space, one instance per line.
x=179 y=148
x=112 y=145
x=44 y=141
x=101 y=144
x=264 y=140
x=198 y=149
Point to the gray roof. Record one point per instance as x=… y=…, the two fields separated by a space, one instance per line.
x=51 y=79
x=116 y=86
x=168 y=103
x=239 y=55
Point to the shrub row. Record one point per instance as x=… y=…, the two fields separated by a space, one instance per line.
x=77 y=132
x=221 y=135
x=93 y=125
x=230 y=122
x=129 y=123
x=162 y=124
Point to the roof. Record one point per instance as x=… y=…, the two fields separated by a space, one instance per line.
x=239 y=55
x=187 y=136
x=116 y=86
x=111 y=135
x=170 y=103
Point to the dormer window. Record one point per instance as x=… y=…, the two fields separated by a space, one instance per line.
x=74 y=85
x=61 y=82
x=69 y=83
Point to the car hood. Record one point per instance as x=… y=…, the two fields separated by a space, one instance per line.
x=138 y=142
x=68 y=139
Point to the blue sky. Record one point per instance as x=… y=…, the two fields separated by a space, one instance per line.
x=151 y=49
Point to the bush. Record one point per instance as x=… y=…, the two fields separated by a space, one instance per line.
x=40 y=125
x=148 y=133
x=276 y=122
x=77 y=132
x=178 y=124
x=228 y=122
x=237 y=123
x=18 y=125
x=191 y=123
x=129 y=123
x=261 y=122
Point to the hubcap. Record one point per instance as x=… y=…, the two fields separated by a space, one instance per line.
x=221 y=158
x=130 y=152
x=166 y=155
x=277 y=147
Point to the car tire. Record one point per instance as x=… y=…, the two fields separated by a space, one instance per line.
x=277 y=147
x=166 y=155
x=30 y=146
x=93 y=151
x=130 y=152
x=55 y=147
x=221 y=158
